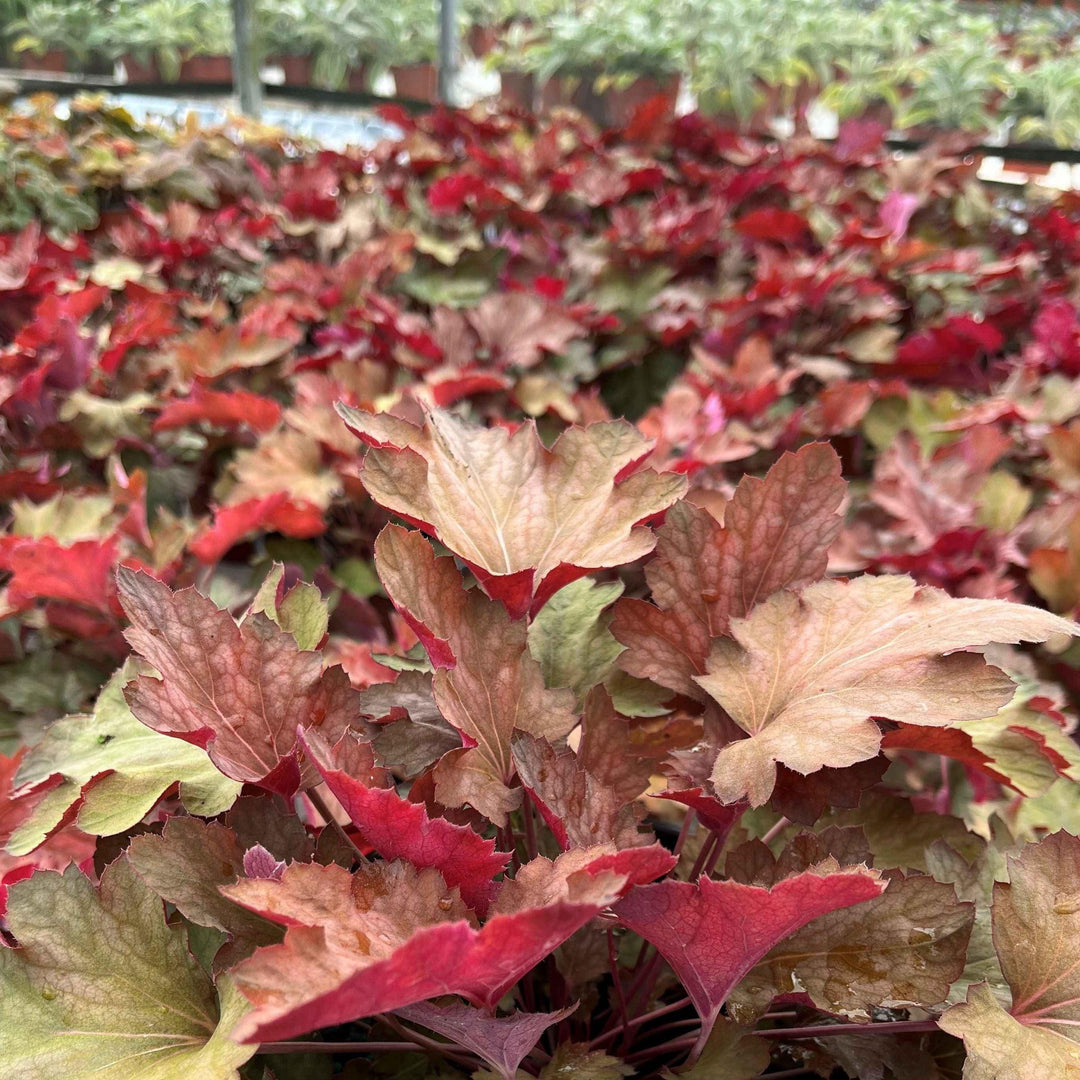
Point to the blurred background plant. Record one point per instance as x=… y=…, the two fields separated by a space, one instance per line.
x=916 y=65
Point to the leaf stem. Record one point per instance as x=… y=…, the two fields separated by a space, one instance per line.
x=775 y=830
x=616 y=978
x=299 y=1046
x=703 y=856
x=451 y=1050
x=531 y=848
x=688 y=819
x=324 y=812
x=821 y=1031
x=638 y=1021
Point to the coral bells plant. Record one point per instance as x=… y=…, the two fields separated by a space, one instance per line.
x=621 y=805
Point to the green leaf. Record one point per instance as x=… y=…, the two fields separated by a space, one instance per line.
x=48 y=682
x=463 y=285
x=1003 y=502
x=575 y=1061
x=637 y=697
x=101 y=986
x=115 y=769
x=732 y=1053
x=1026 y=746
x=898 y=835
x=101 y=422
x=570 y=636
x=302 y=612
x=416 y=659
x=358 y=577
x=65 y=517
x=632 y=293
x=1057 y=808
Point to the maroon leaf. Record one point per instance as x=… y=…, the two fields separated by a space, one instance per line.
x=502 y=1041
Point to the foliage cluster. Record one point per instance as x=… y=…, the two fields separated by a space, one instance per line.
x=358 y=655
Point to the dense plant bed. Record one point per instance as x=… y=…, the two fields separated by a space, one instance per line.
x=402 y=545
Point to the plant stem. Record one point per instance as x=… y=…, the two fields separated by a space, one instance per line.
x=894 y=1027
x=638 y=1021
x=712 y=860
x=447 y=1049
x=682 y=1043
x=821 y=1031
x=675 y=1025
x=324 y=812
x=505 y=840
x=703 y=856
x=775 y=830
x=616 y=978
x=645 y=980
x=299 y=1046
x=688 y=819
x=531 y=848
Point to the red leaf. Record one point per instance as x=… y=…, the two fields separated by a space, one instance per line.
x=239 y=692
x=770 y=223
x=713 y=933
x=776 y=534
x=81 y=573
x=399 y=829
x=275 y=513
x=390 y=936
x=223 y=409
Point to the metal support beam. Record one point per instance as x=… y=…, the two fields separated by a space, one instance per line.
x=245 y=68
x=448 y=50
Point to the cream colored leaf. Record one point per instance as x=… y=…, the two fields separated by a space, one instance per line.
x=804 y=675
x=514 y=510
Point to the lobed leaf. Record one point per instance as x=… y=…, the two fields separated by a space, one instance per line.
x=804 y=675
x=101 y=985
x=237 y=691
x=106 y=771
x=525 y=519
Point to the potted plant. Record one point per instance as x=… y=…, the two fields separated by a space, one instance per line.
x=607 y=60
x=152 y=38
x=1044 y=107
x=868 y=86
x=283 y=41
x=411 y=49
x=210 y=60
x=517 y=83
x=52 y=36
x=328 y=45
x=956 y=85
x=727 y=75
x=481 y=21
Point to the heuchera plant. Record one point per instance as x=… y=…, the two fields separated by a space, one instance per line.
x=528 y=601
x=499 y=902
